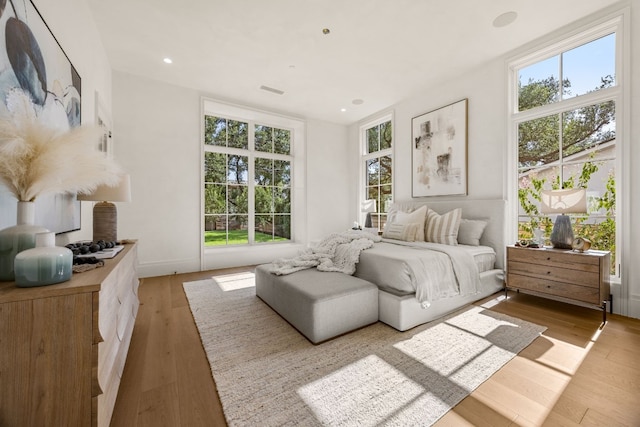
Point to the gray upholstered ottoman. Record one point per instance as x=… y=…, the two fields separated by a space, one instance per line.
x=321 y=305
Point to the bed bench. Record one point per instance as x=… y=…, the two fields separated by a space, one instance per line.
x=321 y=305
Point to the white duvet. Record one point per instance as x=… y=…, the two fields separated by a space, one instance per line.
x=433 y=271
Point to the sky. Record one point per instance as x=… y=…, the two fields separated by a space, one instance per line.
x=583 y=66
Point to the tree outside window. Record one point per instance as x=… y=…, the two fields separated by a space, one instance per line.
x=569 y=147
x=378 y=169
x=234 y=151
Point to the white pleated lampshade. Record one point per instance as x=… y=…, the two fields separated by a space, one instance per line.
x=570 y=200
x=104 y=193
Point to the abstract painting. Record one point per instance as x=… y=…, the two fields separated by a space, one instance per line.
x=32 y=61
x=439 y=151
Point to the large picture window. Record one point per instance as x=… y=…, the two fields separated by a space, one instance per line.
x=247 y=182
x=564 y=125
x=377 y=164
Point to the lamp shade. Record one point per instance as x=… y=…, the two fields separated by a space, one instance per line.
x=117 y=193
x=368 y=206
x=570 y=200
x=105 y=214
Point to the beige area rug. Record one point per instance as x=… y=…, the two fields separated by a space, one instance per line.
x=268 y=374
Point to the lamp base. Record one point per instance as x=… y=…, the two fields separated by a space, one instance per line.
x=367 y=222
x=562 y=234
x=105 y=222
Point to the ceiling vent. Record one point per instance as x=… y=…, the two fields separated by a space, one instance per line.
x=272 y=90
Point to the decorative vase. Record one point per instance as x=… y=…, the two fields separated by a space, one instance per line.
x=538 y=236
x=18 y=238
x=45 y=264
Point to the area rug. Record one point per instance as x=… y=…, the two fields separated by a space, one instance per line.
x=268 y=374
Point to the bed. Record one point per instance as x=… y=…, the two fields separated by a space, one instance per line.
x=397 y=267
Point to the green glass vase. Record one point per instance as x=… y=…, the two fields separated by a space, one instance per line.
x=18 y=238
x=45 y=264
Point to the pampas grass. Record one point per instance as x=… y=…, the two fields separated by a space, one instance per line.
x=36 y=159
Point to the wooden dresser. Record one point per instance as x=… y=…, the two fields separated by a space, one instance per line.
x=576 y=276
x=63 y=347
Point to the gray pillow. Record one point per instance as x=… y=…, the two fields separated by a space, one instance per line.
x=470 y=231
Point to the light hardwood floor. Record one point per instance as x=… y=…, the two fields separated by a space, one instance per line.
x=575 y=374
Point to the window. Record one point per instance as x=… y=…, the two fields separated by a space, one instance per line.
x=567 y=99
x=377 y=164
x=247 y=182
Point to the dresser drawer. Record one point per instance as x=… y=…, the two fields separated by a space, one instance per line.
x=589 y=295
x=579 y=276
x=564 y=259
x=558 y=274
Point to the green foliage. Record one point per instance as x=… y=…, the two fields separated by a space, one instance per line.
x=539 y=143
x=602 y=235
x=539 y=139
x=236 y=237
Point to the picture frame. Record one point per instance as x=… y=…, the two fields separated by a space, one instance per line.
x=439 y=151
x=54 y=86
x=103 y=121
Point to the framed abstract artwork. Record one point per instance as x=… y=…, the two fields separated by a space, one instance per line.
x=32 y=62
x=439 y=151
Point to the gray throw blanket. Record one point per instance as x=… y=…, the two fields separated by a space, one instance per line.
x=337 y=252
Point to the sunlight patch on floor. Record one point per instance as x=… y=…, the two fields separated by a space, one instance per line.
x=235 y=281
x=368 y=389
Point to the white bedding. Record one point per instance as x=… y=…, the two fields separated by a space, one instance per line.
x=432 y=271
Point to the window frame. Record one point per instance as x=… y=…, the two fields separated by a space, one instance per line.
x=618 y=93
x=364 y=157
x=211 y=107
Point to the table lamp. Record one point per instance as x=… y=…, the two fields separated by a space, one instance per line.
x=368 y=206
x=565 y=201
x=105 y=214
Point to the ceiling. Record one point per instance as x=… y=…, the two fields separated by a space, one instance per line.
x=377 y=51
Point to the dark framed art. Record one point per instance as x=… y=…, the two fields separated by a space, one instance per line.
x=32 y=61
x=439 y=151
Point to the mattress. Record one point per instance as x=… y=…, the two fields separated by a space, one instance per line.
x=390 y=264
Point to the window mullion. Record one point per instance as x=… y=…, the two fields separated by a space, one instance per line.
x=251 y=216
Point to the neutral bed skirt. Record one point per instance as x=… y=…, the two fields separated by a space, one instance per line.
x=404 y=312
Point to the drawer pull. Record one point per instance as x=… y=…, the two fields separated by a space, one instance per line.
x=548 y=272
x=548 y=258
x=548 y=286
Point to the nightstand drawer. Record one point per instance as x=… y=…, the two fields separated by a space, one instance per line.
x=558 y=274
x=550 y=257
x=580 y=293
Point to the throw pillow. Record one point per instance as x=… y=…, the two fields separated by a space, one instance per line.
x=470 y=231
x=418 y=216
x=405 y=232
x=443 y=228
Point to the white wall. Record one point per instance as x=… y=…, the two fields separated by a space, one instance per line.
x=327 y=175
x=157 y=139
x=631 y=243
x=484 y=88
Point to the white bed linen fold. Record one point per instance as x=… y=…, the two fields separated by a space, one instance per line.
x=438 y=271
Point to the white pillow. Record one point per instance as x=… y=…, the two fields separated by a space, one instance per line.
x=470 y=231
x=443 y=228
x=418 y=216
x=405 y=232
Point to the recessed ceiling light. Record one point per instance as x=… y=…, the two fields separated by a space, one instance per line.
x=357 y=101
x=504 y=19
x=326 y=31
x=167 y=61
x=343 y=109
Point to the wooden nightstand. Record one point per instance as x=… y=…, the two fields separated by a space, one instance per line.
x=581 y=277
